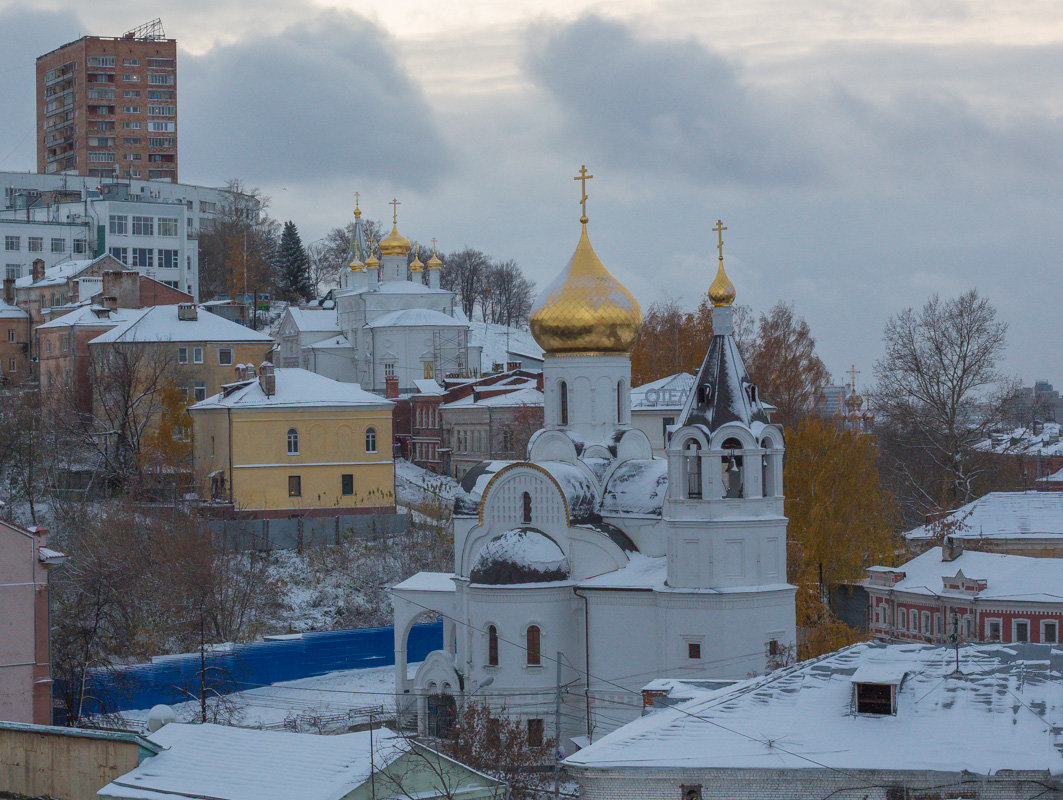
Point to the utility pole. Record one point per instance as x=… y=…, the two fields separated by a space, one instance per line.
x=557 y=730
x=372 y=768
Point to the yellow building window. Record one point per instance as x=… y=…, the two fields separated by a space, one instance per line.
x=295 y=486
x=370 y=440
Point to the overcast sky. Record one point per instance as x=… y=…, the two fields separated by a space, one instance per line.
x=863 y=155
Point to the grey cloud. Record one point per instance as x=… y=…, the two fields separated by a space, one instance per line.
x=670 y=105
x=322 y=96
x=909 y=113
x=27 y=33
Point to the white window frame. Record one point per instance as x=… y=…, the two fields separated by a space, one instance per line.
x=199 y=391
x=292 y=441
x=990 y=621
x=375 y=440
x=1055 y=636
x=222 y=361
x=118 y=225
x=197 y=355
x=1015 y=630
x=182 y=355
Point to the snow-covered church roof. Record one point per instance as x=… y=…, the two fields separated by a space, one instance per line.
x=722 y=391
x=521 y=555
x=637 y=487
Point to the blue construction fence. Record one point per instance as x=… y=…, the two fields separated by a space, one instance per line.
x=176 y=679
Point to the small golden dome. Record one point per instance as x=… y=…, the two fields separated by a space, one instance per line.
x=357 y=266
x=416 y=265
x=854 y=401
x=372 y=262
x=585 y=309
x=434 y=262
x=395 y=244
x=721 y=290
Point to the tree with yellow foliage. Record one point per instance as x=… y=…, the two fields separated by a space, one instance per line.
x=842 y=520
x=170 y=444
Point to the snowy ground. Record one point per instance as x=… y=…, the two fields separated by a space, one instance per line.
x=326 y=701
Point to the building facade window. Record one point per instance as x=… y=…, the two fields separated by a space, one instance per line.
x=694 y=651
x=118 y=224
x=533 y=641
x=562 y=404
x=1049 y=632
x=225 y=356
x=35 y=244
x=346 y=484
x=1021 y=631
x=993 y=630
x=81 y=246
x=197 y=355
x=492 y=646
x=168 y=259
x=535 y=733
x=12 y=243
x=167 y=226
x=182 y=355
x=370 y=440
x=121 y=253
x=693 y=461
x=199 y=391
x=143 y=226
x=295 y=486
x=293 y=442
x=527 y=512
x=58 y=245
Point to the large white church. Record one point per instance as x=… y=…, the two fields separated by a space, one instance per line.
x=622 y=566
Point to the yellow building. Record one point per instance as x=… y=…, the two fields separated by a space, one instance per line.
x=290 y=441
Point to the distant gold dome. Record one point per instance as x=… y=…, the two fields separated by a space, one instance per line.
x=416 y=265
x=721 y=290
x=585 y=309
x=372 y=262
x=395 y=244
x=854 y=401
x=357 y=266
x=434 y=262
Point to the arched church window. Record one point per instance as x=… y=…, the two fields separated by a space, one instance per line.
x=562 y=391
x=527 y=516
x=293 y=442
x=767 y=471
x=693 y=463
x=532 y=649
x=370 y=440
x=619 y=401
x=492 y=646
x=732 y=469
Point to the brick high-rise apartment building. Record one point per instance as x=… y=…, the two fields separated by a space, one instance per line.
x=108 y=106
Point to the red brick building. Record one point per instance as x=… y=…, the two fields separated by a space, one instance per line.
x=983 y=597
x=108 y=105
x=14 y=338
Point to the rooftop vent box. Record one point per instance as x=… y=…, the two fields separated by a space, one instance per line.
x=187 y=312
x=875 y=688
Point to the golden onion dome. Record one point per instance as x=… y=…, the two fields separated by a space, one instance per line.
x=721 y=290
x=416 y=265
x=356 y=265
x=372 y=262
x=394 y=244
x=585 y=309
x=854 y=401
x=434 y=262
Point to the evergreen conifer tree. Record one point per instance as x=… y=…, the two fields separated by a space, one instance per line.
x=293 y=266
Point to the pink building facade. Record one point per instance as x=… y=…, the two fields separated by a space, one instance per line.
x=983 y=597
x=25 y=668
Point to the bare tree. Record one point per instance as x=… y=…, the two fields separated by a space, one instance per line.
x=507 y=295
x=464 y=273
x=237 y=246
x=27 y=446
x=939 y=393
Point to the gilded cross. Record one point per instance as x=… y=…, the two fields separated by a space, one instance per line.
x=395 y=212
x=853 y=372
x=357 y=208
x=719 y=233
x=433 y=245
x=583 y=177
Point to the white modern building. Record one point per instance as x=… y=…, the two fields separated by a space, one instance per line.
x=151 y=226
x=595 y=555
x=655 y=406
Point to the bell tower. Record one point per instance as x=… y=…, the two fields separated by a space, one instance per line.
x=724 y=507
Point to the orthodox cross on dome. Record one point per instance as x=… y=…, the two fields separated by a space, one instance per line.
x=433 y=245
x=583 y=177
x=719 y=229
x=357 y=209
x=852 y=372
x=395 y=211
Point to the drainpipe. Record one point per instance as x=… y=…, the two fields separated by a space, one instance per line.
x=586 y=655
x=229 y=413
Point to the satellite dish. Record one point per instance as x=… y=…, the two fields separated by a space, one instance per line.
x=159 y=716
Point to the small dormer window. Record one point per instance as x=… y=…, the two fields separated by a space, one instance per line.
x=874 y=698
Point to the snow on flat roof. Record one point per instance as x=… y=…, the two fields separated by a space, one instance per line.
x=411 y=317
x=1008 y=577
x=228 y=763
x=999 y=716
x=335 y=342
x=641 y=572
x=427 y=386
x=160 y=324
x=314 y=319
x=499 y=343
x=428 y=582
x=295 y=387
x=1002 y=514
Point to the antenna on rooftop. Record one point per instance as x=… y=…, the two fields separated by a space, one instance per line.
x=954 y=638
x=148 y=32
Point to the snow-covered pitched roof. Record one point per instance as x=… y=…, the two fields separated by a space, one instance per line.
x=295 y=387
x=1048 y=441
x=415 y=317
x=665 y=393
x=722 y=391
x=87 y=316
x=1055 y=477
x=470 y=492
x=580 y=492
x=61 y=273
x=641 y=572
x=527 y=396
x=334 y=343
x=1008 y=577
x=314 y=320
x=8 y=311
x=1000 y=715
x=160 y=324
x=227 y=763
x=427 y=386
x=1004 y=514
x=637 y=487
x=500 y=343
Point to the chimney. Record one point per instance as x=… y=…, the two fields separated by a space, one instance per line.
x=110 y=302
x=267 y=379
x=512 y=366
x=187 y=312
x=391 y=387
x=241 y=372
x=9 y=291
x=124 y=285
x=38 y=269
x=951 y=548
